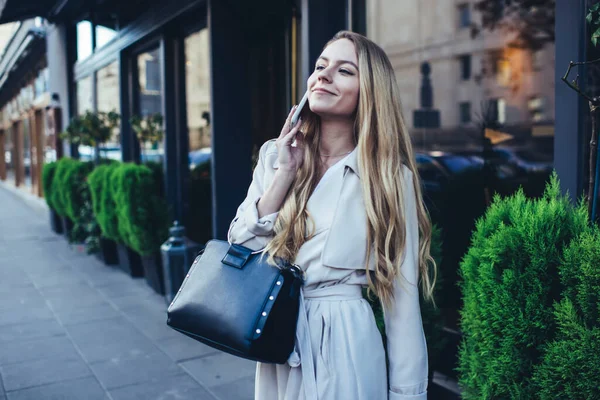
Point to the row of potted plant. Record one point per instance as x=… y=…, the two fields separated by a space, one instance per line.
x=116 y=210
x=113 y=209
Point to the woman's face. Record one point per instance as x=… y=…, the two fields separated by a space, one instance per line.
x=334 y=85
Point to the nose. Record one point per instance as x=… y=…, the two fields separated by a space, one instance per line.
x=323 y=75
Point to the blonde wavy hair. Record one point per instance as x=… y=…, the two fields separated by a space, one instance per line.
x=383 y=146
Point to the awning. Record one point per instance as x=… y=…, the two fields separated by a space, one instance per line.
x=18 y=10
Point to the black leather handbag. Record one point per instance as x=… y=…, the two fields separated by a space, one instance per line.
x=234 y=301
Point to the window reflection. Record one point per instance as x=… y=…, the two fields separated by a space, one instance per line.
x=494 y=103
x=197 y=81
x=104 y=35
x=84 y=40
x=150 y=99
x=107 y=93
x=85 y=103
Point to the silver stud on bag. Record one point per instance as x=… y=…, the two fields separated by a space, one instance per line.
x=264 y=314
x=271 y=297
x=278 y=283
x=258 y=331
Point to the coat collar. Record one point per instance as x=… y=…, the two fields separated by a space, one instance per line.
x=351 y=162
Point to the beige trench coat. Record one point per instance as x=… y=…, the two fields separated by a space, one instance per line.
x=339 y=349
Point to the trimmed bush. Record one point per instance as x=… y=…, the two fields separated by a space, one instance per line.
x=58 y=191
x=141 y=209
x=510 y=283
x=74 y=186
x=571 y=365
x=103 y=203
x=48 y=173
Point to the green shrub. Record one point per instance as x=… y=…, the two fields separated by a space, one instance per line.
x=58 y=191
x=74 y=188
x=571 y=365
x=141 y=208
x=48 y=173
x=509 y=285
x=432 y=320
x=103 y=203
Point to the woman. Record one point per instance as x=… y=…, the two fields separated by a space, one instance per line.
x=345 y=204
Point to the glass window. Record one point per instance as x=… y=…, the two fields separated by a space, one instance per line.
x=104 y=35
x=26 y=151
x=197 y=90
x=84 y=103
x=9 y=156
x=84 y=40
x=465 y=112
x=536 y=108
x=515 y=81
x=465 y=67
x=464 y=16
x=107 y=92
x=150 y=99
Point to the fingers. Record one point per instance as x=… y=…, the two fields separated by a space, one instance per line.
x=286 y=126
x=289 y=137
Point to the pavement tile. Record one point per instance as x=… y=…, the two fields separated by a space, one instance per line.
x=40 y=372
x=219 y=369
x=22 y=315
x=180 y=387
x=241 y=389
x=80 y=315
x=75 y=389
x=56 y=279
x=87 y=298
x=129 y=368
x=30 y=350
x=153 y=323
x=30 y=330
x=108 y=338
x=181 y=348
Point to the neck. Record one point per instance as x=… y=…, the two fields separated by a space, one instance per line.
x=336 y=137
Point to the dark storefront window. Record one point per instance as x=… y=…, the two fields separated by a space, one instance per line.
x=107 y=92
x=150 y=98
x=197 y=82
x=495 y=105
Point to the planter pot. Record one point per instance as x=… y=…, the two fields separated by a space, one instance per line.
x=55 y=222
x=67 y=225
x=153 y=272
x=129 y=261
x=108 y=252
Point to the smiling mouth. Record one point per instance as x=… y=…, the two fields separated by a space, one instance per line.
x=322 y=91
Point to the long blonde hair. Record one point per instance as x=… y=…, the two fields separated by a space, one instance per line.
x=383 y=145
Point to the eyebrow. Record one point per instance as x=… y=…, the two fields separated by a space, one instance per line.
x=340 y=62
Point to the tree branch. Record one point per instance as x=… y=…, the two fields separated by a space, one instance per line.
x=593 y=100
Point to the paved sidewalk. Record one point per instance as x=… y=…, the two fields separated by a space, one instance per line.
x=73 y=328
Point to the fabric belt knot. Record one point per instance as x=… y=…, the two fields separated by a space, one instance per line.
x=302 y=353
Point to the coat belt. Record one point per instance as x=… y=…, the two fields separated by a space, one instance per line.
x=303 y=350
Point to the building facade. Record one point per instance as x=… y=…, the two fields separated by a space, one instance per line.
x=25 y=143
x=469 y=73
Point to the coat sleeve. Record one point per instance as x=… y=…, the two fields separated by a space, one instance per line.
x=407 y=349
x=246 y=228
